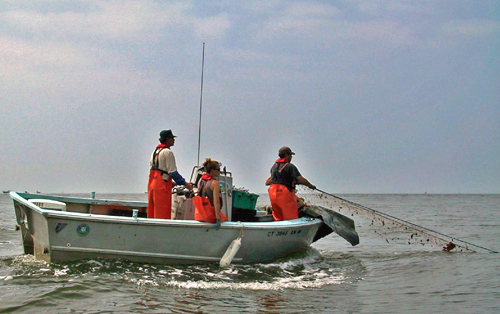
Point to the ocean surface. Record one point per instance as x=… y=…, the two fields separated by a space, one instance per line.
x=331 y=277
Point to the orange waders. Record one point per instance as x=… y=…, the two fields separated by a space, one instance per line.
x=204 y=211
x=283 y=202
x=159 y=196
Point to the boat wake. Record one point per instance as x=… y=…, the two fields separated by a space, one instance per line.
x=306 y=270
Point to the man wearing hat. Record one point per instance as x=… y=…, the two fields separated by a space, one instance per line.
x=162 y=170
x=284 y=177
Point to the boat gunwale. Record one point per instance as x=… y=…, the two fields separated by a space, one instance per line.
x=49 y=213
x=78 y=200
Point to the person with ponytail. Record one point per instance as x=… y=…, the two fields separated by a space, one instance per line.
x=209 y=188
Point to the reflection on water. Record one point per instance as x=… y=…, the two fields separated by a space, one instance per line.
x=273 y=303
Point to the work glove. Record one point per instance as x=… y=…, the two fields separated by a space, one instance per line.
x=217 y=224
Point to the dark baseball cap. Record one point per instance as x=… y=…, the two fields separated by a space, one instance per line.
x=285 y=150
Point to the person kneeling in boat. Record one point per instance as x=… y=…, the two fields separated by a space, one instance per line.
x=162 y=170
x=208 y=203
x=284 y=177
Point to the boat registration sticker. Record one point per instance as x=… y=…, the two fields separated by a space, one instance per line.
x=83 y=230
x=60 y=226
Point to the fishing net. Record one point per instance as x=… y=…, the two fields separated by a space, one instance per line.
x=390 y=228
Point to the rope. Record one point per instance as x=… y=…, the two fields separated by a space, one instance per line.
x=241 y=231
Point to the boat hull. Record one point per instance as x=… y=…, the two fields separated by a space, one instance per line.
x=60 y=236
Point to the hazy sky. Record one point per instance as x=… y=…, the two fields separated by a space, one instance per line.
x=373 y=96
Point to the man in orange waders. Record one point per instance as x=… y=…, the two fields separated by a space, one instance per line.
x=162 y=170
x=284 y=177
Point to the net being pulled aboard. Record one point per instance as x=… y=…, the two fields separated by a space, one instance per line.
x=390 y=228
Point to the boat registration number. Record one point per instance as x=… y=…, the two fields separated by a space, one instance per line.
x=283 y=233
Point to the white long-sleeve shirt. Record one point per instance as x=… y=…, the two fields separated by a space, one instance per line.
x=166 y=162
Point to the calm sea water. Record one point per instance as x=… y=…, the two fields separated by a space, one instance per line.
x=332 y=277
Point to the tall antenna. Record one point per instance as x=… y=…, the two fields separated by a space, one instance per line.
x=201 y=103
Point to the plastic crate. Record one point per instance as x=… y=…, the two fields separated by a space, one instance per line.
x=245 y=200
